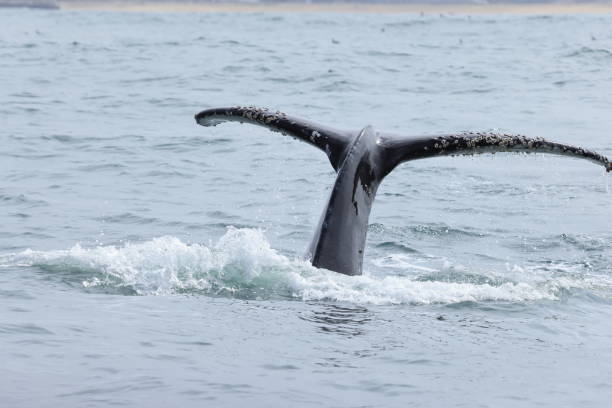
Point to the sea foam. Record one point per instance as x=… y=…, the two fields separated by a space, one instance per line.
x=243 y=264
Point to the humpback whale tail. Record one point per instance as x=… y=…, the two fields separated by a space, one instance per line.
x=362 y=160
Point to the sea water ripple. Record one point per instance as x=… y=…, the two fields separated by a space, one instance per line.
x=148 y=261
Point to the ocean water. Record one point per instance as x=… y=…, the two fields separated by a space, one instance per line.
x=147 y=261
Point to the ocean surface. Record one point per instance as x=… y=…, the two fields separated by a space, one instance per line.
x=149 y=262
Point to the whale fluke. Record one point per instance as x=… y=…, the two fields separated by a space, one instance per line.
x=404 y=148
x=363 y=159
x=331 y=141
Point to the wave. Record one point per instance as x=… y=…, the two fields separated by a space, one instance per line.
x=242 y=264
x=590 y=52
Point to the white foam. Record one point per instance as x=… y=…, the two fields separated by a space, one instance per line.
x=242 y=261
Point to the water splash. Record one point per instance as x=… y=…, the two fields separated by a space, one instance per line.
x=242 y=264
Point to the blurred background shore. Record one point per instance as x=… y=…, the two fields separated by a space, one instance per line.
x=371 y=6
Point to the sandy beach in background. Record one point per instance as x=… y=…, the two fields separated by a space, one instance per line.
x=539 y=9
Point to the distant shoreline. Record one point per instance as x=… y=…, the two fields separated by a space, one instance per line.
x=388 y=8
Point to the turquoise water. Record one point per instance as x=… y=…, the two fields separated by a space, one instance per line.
x=147 y=261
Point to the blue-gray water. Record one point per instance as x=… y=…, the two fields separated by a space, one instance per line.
x=146 y=261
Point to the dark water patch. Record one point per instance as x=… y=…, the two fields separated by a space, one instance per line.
x=163 y=78
x=169 y=102
x=230 y=42
x=474 y=75
x=193 y=141
x=96 y=97
x=584 y=242
x=103 y=167
x=233 y=69
x=418 y=89
x=474 y=91
x=409 y=23
x=35 y=235
x=338 y=86
x=25 y=94
x=291 y=79
x=31 y=155
x=164 y=357
x=546 y=17
x=21 y=200
x=19 y=310
x=176 y=146
x=117 y=387
x=282 y=367
x=339 y=320
x=321 y=22
x=417 y=362
x=27 y=109
x=388 y=389
x=390 y=194
x=27 y=328
x=16 y=294
x=589 y=52
x=60 y=138
x=40 y=80
x=207 y=89
x=166 y=174
x=127 y=218
x=562 y=83
x=217 y=214
x=396 y=246
x=489 y=188
x=110 y=149
x=198 y=343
